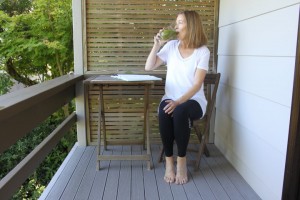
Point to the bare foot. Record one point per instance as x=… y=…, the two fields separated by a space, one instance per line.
x=181 y=172
x=170 y=171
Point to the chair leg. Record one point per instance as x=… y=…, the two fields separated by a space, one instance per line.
x=161 y=155
x=199 y=154
x=206 y=151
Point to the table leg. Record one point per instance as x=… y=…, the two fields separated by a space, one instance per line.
x=147 y=126
x=103 y=119
x=99 y=126
x=146 y=94
x=101 y=123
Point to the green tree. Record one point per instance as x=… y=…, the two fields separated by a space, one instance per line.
x=37 y=45
x=36 y=183
x=15 y=7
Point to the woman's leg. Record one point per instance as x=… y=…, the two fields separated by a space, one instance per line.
x=182 y=116
x=166 y=129
x=181 y=171
x=167 y=137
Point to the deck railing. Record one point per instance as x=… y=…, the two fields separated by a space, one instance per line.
x=23 y=110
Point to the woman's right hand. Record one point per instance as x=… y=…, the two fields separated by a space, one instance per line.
x=158 y=40
x=153 y=61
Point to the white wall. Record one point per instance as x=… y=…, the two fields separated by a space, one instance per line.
x=256 y=57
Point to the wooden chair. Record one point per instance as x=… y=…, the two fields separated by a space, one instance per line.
x=201 y=126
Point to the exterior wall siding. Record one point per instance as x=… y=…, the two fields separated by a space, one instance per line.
x=256 y=57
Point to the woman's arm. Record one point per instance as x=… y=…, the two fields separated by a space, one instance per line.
x=153 y=61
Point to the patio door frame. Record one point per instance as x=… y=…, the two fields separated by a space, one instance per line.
x=291 y=184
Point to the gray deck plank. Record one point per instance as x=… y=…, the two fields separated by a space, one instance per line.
x=242 y=186
x=111 y=187
x=100 y=178
x=164 y=189
x=62 y=181
x=226 y=183
x=137 y=188
x=178 y=192
x=199 y=180
x=75 y=180
x=87 y=181
x=129 y=180
x=125 y=176
x=151 y=191
x=213 y=182
x=201 y=184
x=190 y=188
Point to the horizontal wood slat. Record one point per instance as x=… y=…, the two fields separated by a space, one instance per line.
x=119 y=34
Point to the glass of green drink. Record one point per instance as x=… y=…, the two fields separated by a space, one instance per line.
x=169 y=33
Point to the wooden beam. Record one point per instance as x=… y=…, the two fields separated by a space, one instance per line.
x=19 y=100
x=23 y=111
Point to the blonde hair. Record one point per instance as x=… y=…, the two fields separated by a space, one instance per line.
x=195 y=36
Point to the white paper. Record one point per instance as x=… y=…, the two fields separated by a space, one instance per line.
x=136 y=77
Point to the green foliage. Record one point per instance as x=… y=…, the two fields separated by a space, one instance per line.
x=15 y=7
x=5 y=83
x=36 y=42
x=31 y=190
x=35 y=184
x=39 y=42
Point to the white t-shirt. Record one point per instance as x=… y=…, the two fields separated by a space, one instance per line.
x=181 y=71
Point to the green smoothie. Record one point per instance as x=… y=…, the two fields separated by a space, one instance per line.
x=168 y=34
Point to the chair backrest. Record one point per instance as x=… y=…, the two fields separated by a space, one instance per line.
x=211 y=84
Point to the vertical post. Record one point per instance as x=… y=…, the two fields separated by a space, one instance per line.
x=77 y=8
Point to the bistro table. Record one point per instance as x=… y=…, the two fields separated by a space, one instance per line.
x=108 y=80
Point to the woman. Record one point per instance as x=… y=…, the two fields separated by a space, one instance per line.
x=187 y=61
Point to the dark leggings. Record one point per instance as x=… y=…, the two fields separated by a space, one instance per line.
x=176 y=126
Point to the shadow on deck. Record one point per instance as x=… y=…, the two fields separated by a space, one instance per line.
x=77 y=178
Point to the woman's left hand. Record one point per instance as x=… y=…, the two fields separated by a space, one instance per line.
x=169 y=108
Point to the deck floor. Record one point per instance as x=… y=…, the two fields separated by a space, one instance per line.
x=78 y=178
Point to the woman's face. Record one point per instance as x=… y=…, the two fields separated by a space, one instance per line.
x=181 y=26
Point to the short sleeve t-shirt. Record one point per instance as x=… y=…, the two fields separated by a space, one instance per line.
x=181 y=71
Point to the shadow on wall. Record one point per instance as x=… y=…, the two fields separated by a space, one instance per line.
x=226 y=66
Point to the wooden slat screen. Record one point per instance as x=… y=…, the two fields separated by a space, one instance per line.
x=119 y=36
x=119 y=33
